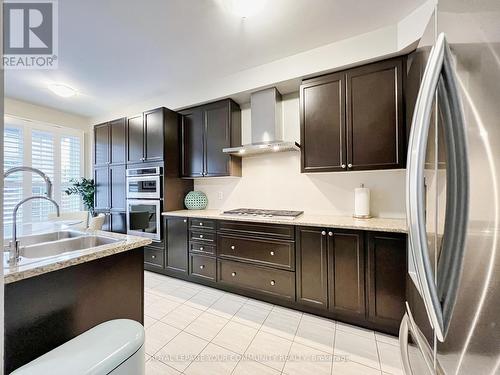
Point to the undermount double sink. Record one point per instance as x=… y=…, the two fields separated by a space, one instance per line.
x=38 y=247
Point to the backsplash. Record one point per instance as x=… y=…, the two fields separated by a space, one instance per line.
x=274 y=181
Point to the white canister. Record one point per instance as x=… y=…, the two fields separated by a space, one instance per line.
x=362 y=203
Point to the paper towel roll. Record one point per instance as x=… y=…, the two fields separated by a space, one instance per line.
x=362 y=202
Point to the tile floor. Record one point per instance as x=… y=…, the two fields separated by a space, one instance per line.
x=192 y=329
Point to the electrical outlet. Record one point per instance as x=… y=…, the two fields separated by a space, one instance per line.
x=220 y=195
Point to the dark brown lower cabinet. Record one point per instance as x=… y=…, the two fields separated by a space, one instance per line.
x=176 y=242
x=386 y=278
x=346 y=273
x=311 y=267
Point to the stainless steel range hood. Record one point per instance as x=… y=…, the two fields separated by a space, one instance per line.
x=267 y=126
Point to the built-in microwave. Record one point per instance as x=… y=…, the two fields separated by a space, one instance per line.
x=144 y=218
x=144 y=183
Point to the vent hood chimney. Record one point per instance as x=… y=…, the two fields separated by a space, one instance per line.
x=266 y=126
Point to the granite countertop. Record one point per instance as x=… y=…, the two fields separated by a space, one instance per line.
x=308 y=220
x=49 y=264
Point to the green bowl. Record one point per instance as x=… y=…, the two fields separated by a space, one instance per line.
x=196 y=200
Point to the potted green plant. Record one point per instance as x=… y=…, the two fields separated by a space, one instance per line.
x=85 y=188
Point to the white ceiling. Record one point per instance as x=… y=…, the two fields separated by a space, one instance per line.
x=119 y=52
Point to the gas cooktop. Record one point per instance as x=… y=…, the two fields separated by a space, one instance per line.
x=258 y=213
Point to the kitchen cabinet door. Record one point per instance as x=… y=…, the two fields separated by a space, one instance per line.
x=322 y=124
x=346 y=274
x=118 y=190
x=386 y=278
x=311 y=267
x=118 y=222
x=101 y=144
x=176 y=240
x=118 y=135
x=375 y=129
x=101 y=195
x=193 y=148
x=153 y=135
x=135 y=139
x=217 y=137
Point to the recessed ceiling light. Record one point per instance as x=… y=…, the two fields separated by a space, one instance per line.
x=62 y=90
x=244 y=8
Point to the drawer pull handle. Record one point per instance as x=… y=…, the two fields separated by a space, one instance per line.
x=201 y=248
x=202 y=266
x=201 y=235
x=272 y=253
x=153 y=256
x=323 y=233
x=273 y=282
x=185 y=221
x=232 y=247
x=330 y=234
x=201 y=224
x=233 y=274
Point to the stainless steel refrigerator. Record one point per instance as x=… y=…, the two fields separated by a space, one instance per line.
x=452 y=322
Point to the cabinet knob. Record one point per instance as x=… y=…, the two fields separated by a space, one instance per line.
x=201 y=235
x=202 y=266
x=272 y=253
x=343 y=166
x=201 y=248
x=323 y=233
x=185 y=220
x=330 y=233
x=349 y=165
x=273 y=282
x=233 y=274
x=232 y=247
x=201 y=224
x=153 y=256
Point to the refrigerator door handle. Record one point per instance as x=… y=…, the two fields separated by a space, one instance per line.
x=414 y=185
x=438 y=303
x=408 y=326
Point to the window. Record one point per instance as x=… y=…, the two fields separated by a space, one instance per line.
x=56 y=151
x=13 y=184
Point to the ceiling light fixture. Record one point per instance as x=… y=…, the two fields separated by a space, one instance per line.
x=244 y=8
x=62 y=90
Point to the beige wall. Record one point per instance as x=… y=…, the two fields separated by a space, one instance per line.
x=28 y=111
x=274 y=180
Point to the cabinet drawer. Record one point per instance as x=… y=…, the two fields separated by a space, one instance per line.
x=197 y=247
x=203 y=237
x=264 y=280
x=153 y=256
x=258 y=229
x=202 y=224
x=203 y=267
x=264 y=251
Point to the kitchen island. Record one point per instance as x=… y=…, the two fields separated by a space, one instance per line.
x=52 y=299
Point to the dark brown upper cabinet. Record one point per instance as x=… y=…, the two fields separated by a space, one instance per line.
x=205 y=131
x=346 y=274
x=311 y=267
x=146 y=134
x=375 y=130
x=386 y=279
x=193 y=150
x=117 y=144
x=153 y=135
x=354 y=120
x=322 y=114
x=135 y=139
x=101 y=144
